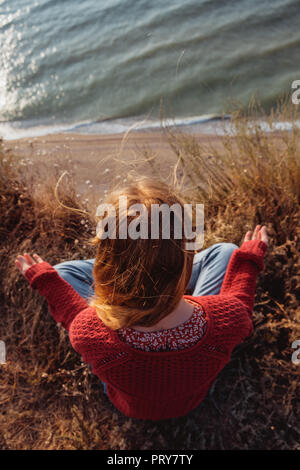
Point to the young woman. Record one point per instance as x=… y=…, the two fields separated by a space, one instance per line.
x=156 y=322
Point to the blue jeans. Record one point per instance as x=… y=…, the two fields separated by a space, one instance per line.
x=209 y=268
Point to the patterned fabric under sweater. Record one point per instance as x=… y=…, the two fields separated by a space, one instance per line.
x=183 y=336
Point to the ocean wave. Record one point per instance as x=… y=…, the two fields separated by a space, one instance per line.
x=24 y=129
x=204 y=124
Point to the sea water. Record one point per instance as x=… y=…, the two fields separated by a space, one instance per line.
x=103 y=66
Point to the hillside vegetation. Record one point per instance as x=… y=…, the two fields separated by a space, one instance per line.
x=49 y=399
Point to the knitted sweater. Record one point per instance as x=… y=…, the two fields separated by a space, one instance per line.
x=166 y=384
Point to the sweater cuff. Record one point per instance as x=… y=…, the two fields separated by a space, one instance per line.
x=253 y=250
x=36 y=271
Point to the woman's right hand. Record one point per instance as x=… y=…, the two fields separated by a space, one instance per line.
x=260 y=233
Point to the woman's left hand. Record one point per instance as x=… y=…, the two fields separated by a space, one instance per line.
x=25 y=262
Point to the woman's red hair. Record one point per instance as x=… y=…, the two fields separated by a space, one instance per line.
x=139 y=282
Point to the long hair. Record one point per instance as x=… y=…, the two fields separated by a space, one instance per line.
x=140 y=281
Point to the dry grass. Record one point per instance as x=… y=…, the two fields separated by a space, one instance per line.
x=50 y=400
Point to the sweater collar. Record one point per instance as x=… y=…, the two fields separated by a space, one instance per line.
x=129 y=349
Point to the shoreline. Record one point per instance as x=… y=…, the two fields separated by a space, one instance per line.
x=205 y=123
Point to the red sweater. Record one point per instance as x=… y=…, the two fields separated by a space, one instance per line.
x=158 y=385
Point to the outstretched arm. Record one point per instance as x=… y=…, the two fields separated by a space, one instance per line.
x=63 y=301
x=244 y=266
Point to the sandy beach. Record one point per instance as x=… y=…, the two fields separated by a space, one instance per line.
x=96 y=161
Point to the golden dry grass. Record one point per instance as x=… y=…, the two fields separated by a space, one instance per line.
x=50 y=400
